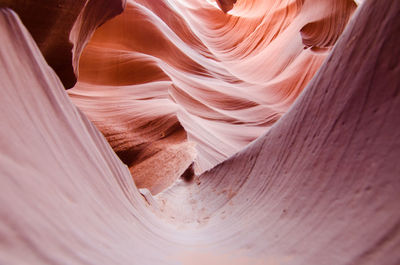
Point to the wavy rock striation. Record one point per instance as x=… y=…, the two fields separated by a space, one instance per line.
x=320 y=187
x=65 y=196
x=167 y=73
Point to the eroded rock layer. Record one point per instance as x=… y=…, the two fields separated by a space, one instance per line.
x=321 y=187
x=183 y=73
x=52 y=22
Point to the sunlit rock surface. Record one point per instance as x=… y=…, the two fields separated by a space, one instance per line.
x=320 y=187
x=185 y=72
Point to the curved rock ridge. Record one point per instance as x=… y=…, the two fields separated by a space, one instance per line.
x=320 y=187
x=65 y=196
x=226 y=5
x=52 y=22
x=218 y=80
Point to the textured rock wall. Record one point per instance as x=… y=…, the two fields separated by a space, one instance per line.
x=320 y=187
x=173 y=74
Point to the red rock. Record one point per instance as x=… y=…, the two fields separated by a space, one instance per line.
x=320 y=187
x=226 y=5
x=160 y=70
x=51 y=22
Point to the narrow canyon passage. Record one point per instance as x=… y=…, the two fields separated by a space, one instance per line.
x=183 y=77
x=295 y=164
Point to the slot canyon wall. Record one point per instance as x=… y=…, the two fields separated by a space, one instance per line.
x=62 y=28
x=183 y=77
x=290 y=126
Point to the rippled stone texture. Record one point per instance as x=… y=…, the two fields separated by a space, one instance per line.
x=170 y=72
x=320 y=187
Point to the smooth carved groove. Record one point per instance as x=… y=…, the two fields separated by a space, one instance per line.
x=319 y=186
x=226 y=5
x=323 y=33
x=165 y=75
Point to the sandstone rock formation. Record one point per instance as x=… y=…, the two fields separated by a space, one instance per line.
x=226 y=5
x=321 y=186
x=51 y=22
x=167 y=73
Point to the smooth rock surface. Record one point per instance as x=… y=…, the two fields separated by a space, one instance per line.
x=165 y=73
x=320 y=187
